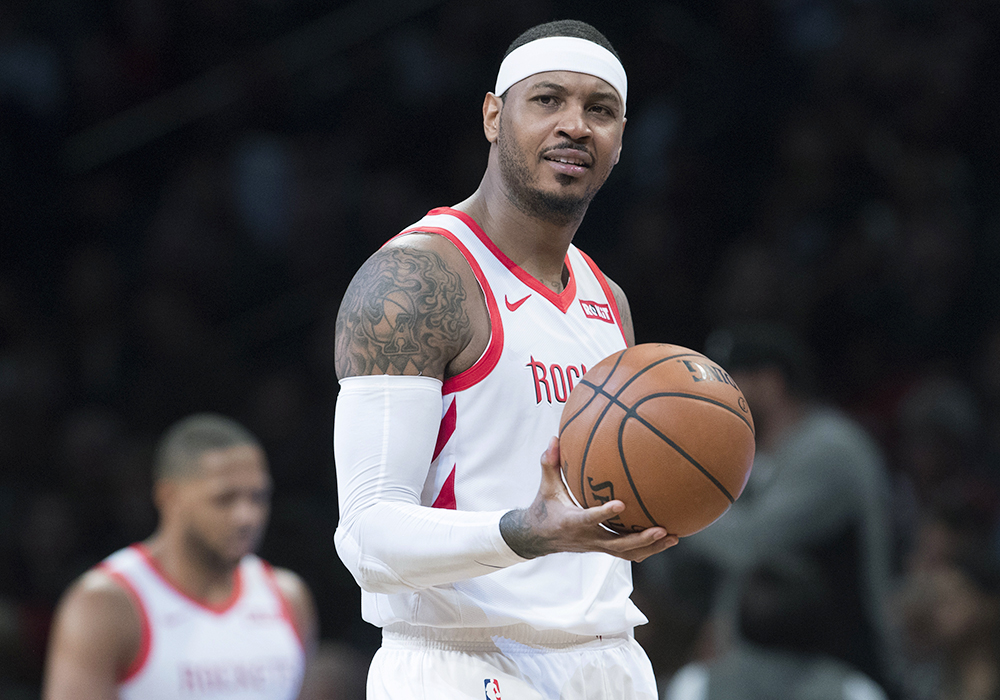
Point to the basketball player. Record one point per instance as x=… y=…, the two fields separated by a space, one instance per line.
x=457 y=345
x=190 y=612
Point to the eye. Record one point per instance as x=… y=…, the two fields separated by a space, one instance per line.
x=546 y=100
x=225 y=499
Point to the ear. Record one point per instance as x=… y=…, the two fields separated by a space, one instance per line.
x=164 y=494
x=491 y=116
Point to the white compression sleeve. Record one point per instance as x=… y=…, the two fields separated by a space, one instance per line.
x=385 y=429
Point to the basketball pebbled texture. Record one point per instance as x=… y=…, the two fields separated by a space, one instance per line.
x=663 y=429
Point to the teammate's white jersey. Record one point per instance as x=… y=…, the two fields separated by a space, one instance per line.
x=497 y=419
x=246 y=649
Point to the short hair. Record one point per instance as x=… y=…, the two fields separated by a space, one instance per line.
x=185 y=441
x=563 y=27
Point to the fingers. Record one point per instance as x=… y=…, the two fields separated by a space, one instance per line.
x=568 y=527
x=640 y=545
x=550 y=458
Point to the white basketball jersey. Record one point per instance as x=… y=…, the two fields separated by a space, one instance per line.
x=498 y=417
x=247 y=649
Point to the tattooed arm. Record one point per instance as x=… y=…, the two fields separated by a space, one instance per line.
x=413 y=316
x=624 y=311
x=411 y=309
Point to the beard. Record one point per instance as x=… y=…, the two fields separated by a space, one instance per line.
x=207 y=555
x=550 y=206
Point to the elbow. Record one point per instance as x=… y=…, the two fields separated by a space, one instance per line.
x=372 y=574
x=378 y=580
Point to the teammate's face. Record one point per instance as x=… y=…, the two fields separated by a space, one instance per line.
x=225 y=506
x=558 y=136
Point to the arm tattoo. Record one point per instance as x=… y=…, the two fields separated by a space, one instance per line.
x=625 y=312
x=519 y=536
x=402 y=314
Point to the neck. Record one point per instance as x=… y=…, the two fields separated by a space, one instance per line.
x=535 y=244
x=190 y=571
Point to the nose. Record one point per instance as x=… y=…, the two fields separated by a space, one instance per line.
x=573 y=123
x=248 y=513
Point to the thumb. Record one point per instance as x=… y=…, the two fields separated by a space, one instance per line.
x=550 y=458
x=552 y=483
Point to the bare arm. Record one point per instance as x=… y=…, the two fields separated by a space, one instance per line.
x=300 y=602
x=405 y=312
x=624 y=311
x=303 y=608
x=96 y=635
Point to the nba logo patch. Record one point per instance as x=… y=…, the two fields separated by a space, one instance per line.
x=492 y=688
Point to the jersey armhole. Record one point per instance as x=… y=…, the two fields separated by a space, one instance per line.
x=146 y=640
x=286 y=608
x=603 y=281
x=491 y=356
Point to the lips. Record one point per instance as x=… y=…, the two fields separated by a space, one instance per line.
x=569 y=160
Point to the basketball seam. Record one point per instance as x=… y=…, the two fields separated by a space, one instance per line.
x=628 y=472
x=593 y=386
x=631 y=412
x=613 y=399
x=700 y=397
x=680 y=450
x=593 y=428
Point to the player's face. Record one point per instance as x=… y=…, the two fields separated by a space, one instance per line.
x=227 y=504
x=559 y=135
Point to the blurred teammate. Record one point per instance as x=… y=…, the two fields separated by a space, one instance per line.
x=190 y=612
x=457 y=345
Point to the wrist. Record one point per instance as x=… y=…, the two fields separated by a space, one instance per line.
x=520 y=536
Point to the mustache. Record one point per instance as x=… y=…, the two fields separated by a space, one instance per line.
x=568 y=145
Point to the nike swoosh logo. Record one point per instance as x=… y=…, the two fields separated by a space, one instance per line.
x=517 y=304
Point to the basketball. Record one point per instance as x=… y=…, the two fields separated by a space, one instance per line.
x=663 y=429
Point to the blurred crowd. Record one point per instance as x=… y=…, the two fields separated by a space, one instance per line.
x=187 y=189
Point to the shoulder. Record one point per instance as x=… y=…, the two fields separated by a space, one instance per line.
x=291 y=586
x=412 y=308
x=96 y=636
x=624 y=311
x=299 y=599
x=100 y=600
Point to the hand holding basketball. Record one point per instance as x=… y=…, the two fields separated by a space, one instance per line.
x=554 y=523
x=663 y=429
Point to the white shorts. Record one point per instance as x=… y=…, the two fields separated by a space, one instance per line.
x=507 y=663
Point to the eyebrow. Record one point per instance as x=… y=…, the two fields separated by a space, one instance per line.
x=610 y=95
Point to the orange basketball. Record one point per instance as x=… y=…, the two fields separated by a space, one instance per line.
x=663 y=429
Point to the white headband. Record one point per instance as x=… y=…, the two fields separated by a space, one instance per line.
x=562 y=53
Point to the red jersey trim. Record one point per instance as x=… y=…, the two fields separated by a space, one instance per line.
x=607 y=292
x=446 y=498
x=146 y=642
x=446 y=430
x=217 y=609
x=489 y=359
x=562 y=300
x=286 y=608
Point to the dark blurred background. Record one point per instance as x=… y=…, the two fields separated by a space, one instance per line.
x=187 y=189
